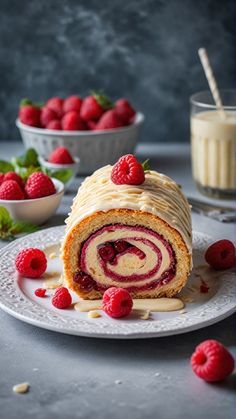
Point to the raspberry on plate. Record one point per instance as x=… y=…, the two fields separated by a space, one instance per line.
x=54 y=124
x=221 y=255
x=211 y=361
x=117 y=302
x=127 y=171
x=61 y=298
x=71 y=121
x=14 y=176
x=40 y=292
x=47 y=115
x=31 y=262
x=10 y=190
x=72 y=103
x=39 y=185
x=56 y=104
x=124 y=110
x=30 y=115
x=60 y=156
x=109 y=120
x=1 y=178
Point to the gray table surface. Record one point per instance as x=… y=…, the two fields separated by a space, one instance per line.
x=75 y=377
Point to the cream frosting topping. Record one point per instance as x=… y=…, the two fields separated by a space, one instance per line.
x=158 y=195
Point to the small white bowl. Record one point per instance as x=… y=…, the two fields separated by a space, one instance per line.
x=74 y=167
x=35 y=211
x=94 y=148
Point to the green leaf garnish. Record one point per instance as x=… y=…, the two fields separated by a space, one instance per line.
x=10 y=228
x=103 y=100
x=25 y=172
x=146 y=166
x=63 y=175
x=29 y=158
x=22 y=227
x=6 y=166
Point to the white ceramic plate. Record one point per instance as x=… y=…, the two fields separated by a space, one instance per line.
x=17 y=297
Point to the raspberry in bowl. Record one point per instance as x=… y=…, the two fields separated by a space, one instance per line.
x=61 y=159
x=94 y=128
x=34 y=202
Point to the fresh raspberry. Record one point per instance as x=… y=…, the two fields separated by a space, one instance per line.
x=1 y=178
x=107 y=252
x=47 y=115
x=71 y=121
x=109 y=120
x=91 y=109
x=127 y=171
x=56 y=104
x=40 y=292
x=221 y=255
x=31 y=262
x=39 y=185
x=120 y=246
x=61 y=298
x=10 y=190
x=85 y=281
x=91 y=124
x=54 y=124
x=14 y=176
x=124 y=110
x=30 y=115
x=72 y=103
x=211 y=361
x=60 y=156
x=117 y=302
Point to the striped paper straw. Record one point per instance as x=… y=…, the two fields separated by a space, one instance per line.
x=211 y=81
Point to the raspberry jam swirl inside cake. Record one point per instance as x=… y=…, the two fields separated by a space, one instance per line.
x=132 y=257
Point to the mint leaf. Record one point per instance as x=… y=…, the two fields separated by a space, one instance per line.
x=6 y=166
x=9 y=228
x=29 y=158
x=5 y=235
x=5 y=219
x=25 y=172
x=5 y=224
x=146 y=165
x=23 y=227
x=62 y=175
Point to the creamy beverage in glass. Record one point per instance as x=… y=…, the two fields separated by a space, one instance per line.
x=213 y=144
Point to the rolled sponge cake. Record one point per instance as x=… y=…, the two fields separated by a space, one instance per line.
x=134 y=237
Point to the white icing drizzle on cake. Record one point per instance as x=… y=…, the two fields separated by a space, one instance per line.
x=158 y=195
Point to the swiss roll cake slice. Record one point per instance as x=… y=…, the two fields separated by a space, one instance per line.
x=136 y=237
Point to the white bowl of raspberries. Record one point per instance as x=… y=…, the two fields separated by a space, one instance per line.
x=32 y=202
x=93 y=129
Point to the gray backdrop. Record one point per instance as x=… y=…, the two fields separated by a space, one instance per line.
x=143 y=49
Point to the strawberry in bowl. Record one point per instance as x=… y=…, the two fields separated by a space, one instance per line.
x=61 y=159
x=94 y=128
